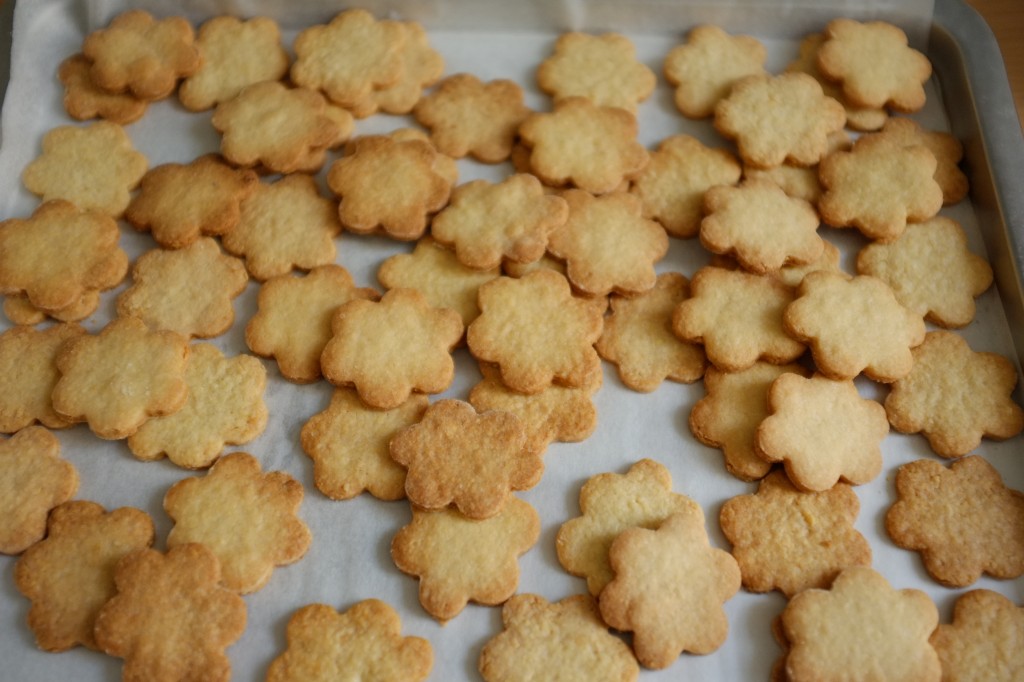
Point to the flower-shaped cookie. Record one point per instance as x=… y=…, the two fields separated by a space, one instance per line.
x=984 y=638
x=390 y=348
x=170 y=618
x=69 y=576
x=365 y=642
x=423 y=66
x=246 y=517
x=603 y=68
x=20 y=310
x=84 y=100
x=458 y=559
x=28 y=363
x=456 y=455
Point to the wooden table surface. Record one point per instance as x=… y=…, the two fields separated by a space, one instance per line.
x=1006 y=17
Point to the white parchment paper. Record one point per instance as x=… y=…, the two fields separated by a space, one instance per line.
x=349 y=559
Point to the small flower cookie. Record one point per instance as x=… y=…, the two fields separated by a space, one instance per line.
x=822 y=431
x=563 y=640
x=20 y=310
x=170 y=618
x=854 y=325
x=458 y=559
x=292 y=323
x=931 y=271
x=963 y=520
x=69 y=576
x=349 y=444
x=704 y=69
x=470 y=117
x=646 y=598
x=800 y=182
x=889 y=636
x=803 y=118
x=789 y=540
x=638 y=337
x=423 y=66
x=983 y=641
x=603 y=68
x=607 y=244
x=225 y=406
x=177 y=203
x=672 y=185
x=35 y=480
x=487 y=223
x=610 y=504
x=95 y=167
x=584 y=145
x=84 y=100
x=236 y=54
x=246 y=517
x=536 y=331
x=28 y=363
x=365 y=642
x=390 y=348
x=205 y=282
x=118 y=379
x=472 y=460
x=954 y=415
x=874 y=64
x=142 y=55
x=737 y=316
x=734 y=405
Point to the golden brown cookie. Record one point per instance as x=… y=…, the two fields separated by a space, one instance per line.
x=423 y=66
x=84 y=100
x=985 y=639
x=792 y=275
x=20 y=310
x=28 y=365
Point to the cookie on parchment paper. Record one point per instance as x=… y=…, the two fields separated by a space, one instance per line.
x=984 y=641
x=423 y=66
x=28 y=364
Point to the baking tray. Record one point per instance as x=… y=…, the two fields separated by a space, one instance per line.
x=349 y=559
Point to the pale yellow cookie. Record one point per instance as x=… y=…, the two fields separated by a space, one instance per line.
x=792 y=275
x=423 y=67
x=28 y=365
x=84 y=100
x=20 y=310
x=984 y=641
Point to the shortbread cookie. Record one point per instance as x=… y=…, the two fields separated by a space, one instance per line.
x=390 y=348
x=470 y=117
x=59 y=255
x=70 y=575
x=20 y=310
x=436 y=272
x=607 y=244
x=225 y=407
x=889 y=638
x=292 y=323
x=646 y=597
x=584 y=145
x=854 y=325
x=35 y=480
x=954 y=414
x=472 y=460
x=638 y=337
x=556 y=413
x=546 y=262
x=800 y=182
x=964 y=521
x=285 y=225
x=822 y=431
x=365 y=642
x=204 y=280
x=760 y=225
x=423 y=67
x=788 y=540
x=516 y=331
x=170 y=619
x=28 y=365
x=389 y=185
x=121 y=377
x=672 y=185
x=931 y=271
x=487 y=223
x=141 y=54
x=738 y=317
x=802 y=118
x=178 y=203
x=236 y=54
x=458 y=559
x=443 y=165
x=874 y=64
x=792 y=275
x=349 y=57
x=349 y=445
x=610 y=504
x=603 y=68
x=734 y=405
x=704 y=68
x=566 y=640
x=246 y=517
x=84 y=100
x=984 y=641
x=94 y=167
